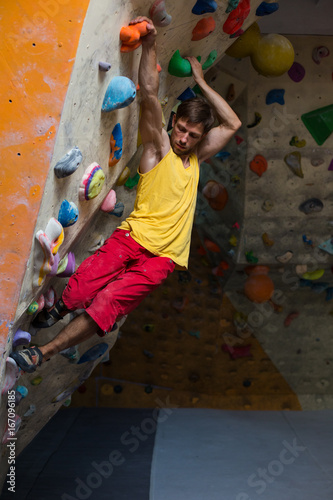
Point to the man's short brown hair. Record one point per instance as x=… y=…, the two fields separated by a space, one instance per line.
x=197 y=110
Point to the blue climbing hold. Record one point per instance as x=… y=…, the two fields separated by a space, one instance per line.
x=266 y=8
x=204 y=6
x=232 y=5
x=118 y=209
x=222 y=155
x=327 y=246
x=187 y=94
x=329 y=293
x=93 y=353
x=275 y=95
x=68 y=213
x=320 y=286
x=119 y=94
x=303 y=283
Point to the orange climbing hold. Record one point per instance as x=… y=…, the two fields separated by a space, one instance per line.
x=131 y=36
x=216 y=194
x=258 y=287
x=203 y=28
x=258 y=165
x=211 y=246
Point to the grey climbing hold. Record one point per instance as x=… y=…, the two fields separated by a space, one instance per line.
x=311 y=205
x=104 y=66
x=68 y=163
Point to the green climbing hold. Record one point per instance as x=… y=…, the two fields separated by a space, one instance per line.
x=210 y=60
x=250 y=257
x=132 y=181
x=319 y=123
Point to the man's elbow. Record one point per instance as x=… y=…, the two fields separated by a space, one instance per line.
x=236 y=124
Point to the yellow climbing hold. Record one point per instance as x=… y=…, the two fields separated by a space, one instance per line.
x=36 y=380
x=233 y=240
x=313 y=275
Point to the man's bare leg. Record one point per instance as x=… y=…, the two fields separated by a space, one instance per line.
x=78 y=330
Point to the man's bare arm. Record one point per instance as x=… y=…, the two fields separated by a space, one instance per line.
x=229 y=122
x=151 y=113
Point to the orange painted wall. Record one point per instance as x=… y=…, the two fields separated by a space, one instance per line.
x=38 y=41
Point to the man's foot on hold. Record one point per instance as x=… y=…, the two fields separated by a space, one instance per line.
x=45 y=319
x=28 y=359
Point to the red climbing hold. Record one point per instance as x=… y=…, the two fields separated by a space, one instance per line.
x=293 y=315
x=237 y=17
x=258 y=165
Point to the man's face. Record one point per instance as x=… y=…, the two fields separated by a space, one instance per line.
x=185 y=136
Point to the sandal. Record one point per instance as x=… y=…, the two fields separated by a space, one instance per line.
x=45 y=319
x=28 y=359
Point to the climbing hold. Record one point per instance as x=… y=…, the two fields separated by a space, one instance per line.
x=238 y=351
x=330 y=167
x=313 y=275
x=50 y=297
x=148 y=354
x=36 y=381
x=12 y=374
x=250 y=257
x=204 y=6
x=316 y=162
x=132 y=181
x=91 y=182
x=238 y=139
x=222 y=155
x=258 y=165
x=268 y=242
x=130 y=36
x=158 y=14
x=295 y=142
x=329 y=293
x=50 y=241
x=71 y=353
x=327 y=246
x=104 y=66
x=148 y=389
x=301 y=269
x=267 y=205
x=307 y=240
x=68 y=213
x=118 y=209
x=293 y=160
x=119 y=94
x=123 y=176
x=271 y=55
x=296 y=72
x=66 y=266
x=291 y=316
x=233 y=240
x=68 y=163
x=116 y=145
x=216 y=194
x=93 y=353
x=275 y=95
x=211 y=246
x=231 y=93
x=203 y=28
x=31 y=410
x=118 y=389
x=284 y=258
x=109 y=202
x=219 y=270
x=106 y=389
x=21 y=338
x=180 y=304
x=210 y=60
x=194 y=334
x=247 y=383
x=312 y=205
x=320 y=286
x=319 y=52
x=22 y=390
x=187 y=94
x=257 y=120
x=258 y=287
x=237 y=17
x=319 y=123
x=149 y=328
x=33 y=308
x=178 y=66
x=232 y=4
x=266 y=8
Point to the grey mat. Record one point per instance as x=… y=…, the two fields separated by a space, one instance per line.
x=95 y=453
x=230 y=455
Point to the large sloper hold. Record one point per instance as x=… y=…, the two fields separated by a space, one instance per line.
x=120 y=93
x=319 y=123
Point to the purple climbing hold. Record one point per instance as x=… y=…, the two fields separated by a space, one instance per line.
x=93 y=353
x=275 y=95
x=204 y=6
x=104 y=66
x=296 y=72
x=266 y=8
x=21 y=338
x=330 y=167
x=66 y=266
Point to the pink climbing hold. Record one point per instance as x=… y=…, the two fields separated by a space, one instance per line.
x=238 y=351
x=319 y=52
x=109 y=202
x=12 y=374
x=291 y=316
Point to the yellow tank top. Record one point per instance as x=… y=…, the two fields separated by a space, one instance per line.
x=163 y=213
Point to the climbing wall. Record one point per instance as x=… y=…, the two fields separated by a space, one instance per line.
x=54 y=92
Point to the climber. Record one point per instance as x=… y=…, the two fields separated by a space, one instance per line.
x=156 y=236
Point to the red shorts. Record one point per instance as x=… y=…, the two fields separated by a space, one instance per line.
x=115 y=279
